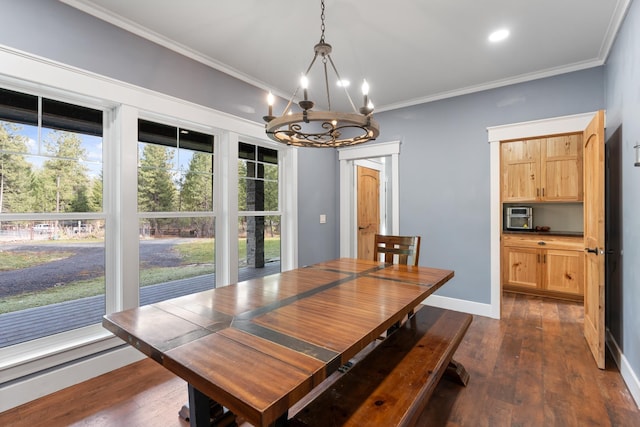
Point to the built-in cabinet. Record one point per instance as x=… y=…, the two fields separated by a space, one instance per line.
x=542 y=169
x=543 y=265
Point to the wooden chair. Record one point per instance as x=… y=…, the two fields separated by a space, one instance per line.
x=400 y=248
x=397 y=249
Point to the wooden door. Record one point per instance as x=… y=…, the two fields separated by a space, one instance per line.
x=594 y=225
x=520 y=170
x=368 y=210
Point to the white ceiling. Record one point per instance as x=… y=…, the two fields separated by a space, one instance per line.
x=410 y=51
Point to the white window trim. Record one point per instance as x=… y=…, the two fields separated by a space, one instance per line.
x=126 y=103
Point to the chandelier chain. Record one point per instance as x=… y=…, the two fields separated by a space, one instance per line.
x=322 y=27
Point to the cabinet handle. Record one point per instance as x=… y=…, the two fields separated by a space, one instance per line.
x=542 y=191
x=542 y=243
x=537 y=192
x=538 y=258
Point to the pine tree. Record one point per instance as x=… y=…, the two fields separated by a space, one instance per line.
x=16 y=174
x=197 y=188
x=197 y=191
x=95 y=195
x=64 y=178
x=156 y=189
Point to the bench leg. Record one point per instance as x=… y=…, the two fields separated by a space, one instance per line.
x=456 y=372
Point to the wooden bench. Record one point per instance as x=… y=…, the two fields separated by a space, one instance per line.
x=392 y=385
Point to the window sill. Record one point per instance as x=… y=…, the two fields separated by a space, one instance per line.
x=45 y=353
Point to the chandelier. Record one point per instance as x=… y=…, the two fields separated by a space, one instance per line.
x=310 y=128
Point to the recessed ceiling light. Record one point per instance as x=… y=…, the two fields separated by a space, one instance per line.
x=499 y=35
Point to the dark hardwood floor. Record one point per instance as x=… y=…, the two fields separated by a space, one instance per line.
x=532 y=368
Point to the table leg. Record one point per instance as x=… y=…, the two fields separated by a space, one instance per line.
x=199 y=408
x=205 y=412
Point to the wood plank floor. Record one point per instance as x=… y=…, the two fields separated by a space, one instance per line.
x=532 y=368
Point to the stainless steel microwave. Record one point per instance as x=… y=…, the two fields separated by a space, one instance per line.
x=519 y=218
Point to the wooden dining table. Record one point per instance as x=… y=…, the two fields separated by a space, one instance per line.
x=259 y=346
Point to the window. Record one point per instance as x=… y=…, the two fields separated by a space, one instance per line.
x=102 y=212
x=52 y=224
x=258 y=201
x=175 y=204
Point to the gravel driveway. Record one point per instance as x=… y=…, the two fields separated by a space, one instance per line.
x=87 y=262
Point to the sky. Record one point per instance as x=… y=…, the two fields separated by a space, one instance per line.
x=37 y=154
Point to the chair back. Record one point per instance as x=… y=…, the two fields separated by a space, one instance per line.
x=397 y=249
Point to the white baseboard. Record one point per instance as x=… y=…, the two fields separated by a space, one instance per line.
x=460 y=305
x=20 y=392
x=628 y=375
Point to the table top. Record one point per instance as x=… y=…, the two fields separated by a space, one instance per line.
x=259 y=346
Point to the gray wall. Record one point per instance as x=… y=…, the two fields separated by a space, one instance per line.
x=444 y=167
x=622 y=87
x=318 y=193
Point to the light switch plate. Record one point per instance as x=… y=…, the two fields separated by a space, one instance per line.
x=323 y=218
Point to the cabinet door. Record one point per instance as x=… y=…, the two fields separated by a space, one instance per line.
x=563 y=271
x=561 y=168
x=521 y=267
x=520 y=170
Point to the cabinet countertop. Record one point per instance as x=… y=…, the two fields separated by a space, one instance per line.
x=545 y=233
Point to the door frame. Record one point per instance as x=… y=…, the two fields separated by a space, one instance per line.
x=348 y=157
x=551 y=126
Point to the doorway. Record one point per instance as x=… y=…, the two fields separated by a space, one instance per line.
x=387 y=156
x=552 y=126
x=592 y=126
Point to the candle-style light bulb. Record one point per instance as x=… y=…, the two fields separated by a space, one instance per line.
x=270 y=100
x=304 y=83
x=365 y=92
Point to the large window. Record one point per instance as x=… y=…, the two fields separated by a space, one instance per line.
x=175 y=204
x=52 y=225
x=112 y=196
x=258 y=205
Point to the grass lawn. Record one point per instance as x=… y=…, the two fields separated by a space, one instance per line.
x=24 y=259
